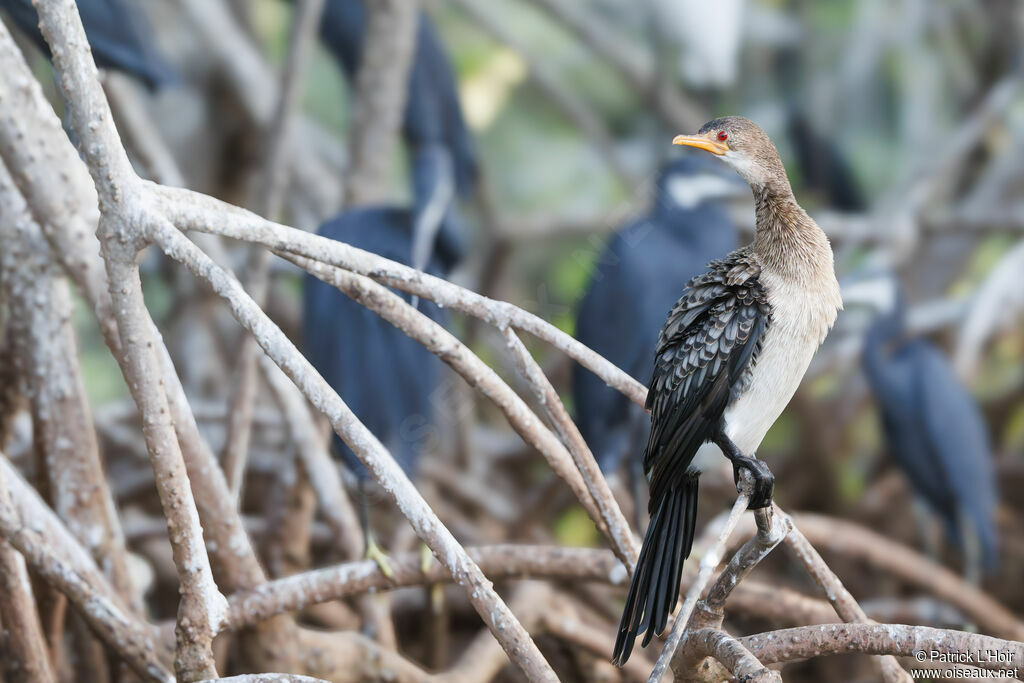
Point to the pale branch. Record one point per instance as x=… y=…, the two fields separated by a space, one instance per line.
x=44 y=341
x=805 y=642
x=857 y=542
x=299 y=591
x=771 y=530
x=195 y=211
x=54 y=555
x=40 y=157
x=478 y=374
x=202 y=606
x=268 y=202
x=623 y=541
x=382 y=83
x=120 y=196
x=741 y=662
x=323 y=474
x=27 y=657
x=705 y=637
x=514 y=639
x=844 y=603
x=708 y=563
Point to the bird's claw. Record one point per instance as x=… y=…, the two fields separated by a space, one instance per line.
x=376 y=553
x=764 y=480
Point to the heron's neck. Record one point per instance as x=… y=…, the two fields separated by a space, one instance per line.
x=787 y=240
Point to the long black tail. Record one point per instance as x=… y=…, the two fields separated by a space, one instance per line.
x=655 y=587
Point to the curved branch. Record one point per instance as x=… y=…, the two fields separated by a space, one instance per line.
x=503 y=624
x=448 y=348
x=195 y=211
x=710 y=642
x=936 y=644
x=855 y=541
x=297 y=592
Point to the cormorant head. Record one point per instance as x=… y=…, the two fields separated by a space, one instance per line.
x=742 y=144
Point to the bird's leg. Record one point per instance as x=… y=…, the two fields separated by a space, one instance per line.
x=927 y=530
x=972 y=548
x=764 y=480
x=373 y=550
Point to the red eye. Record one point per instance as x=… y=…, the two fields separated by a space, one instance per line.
x=722 y=135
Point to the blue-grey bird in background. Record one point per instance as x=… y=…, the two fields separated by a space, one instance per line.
x=636 y=280
x=442 y=153
x=388 y=380
x=935 y=432
x=120 y=38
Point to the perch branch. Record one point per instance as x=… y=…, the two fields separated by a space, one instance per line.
x=845 y=605
x=622 y=537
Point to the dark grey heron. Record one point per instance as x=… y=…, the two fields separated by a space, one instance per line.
x=636 y=279
x=934 y=432
x=118 y=34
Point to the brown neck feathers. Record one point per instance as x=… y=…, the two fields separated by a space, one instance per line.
x=788 y=241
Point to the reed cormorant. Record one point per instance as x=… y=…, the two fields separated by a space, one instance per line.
x=729 y=358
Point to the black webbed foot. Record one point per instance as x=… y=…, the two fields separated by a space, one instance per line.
x=764 y=480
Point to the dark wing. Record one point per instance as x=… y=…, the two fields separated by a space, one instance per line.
x=613 y=303
x=955 y=431
x=706 y=351
x=120 y=38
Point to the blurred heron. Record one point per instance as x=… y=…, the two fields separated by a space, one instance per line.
x=636 y=279
x=120 y=38
x=934 y=431
x=387 y=379
x=442 y=152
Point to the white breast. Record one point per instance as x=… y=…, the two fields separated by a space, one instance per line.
x=800 y=321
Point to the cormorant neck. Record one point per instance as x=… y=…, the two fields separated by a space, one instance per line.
x=787 y=239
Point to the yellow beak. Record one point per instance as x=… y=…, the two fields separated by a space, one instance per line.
x=701 y=142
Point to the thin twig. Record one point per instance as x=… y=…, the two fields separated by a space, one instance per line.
x=622 y=538
x=268 y=202
x=844 y=603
